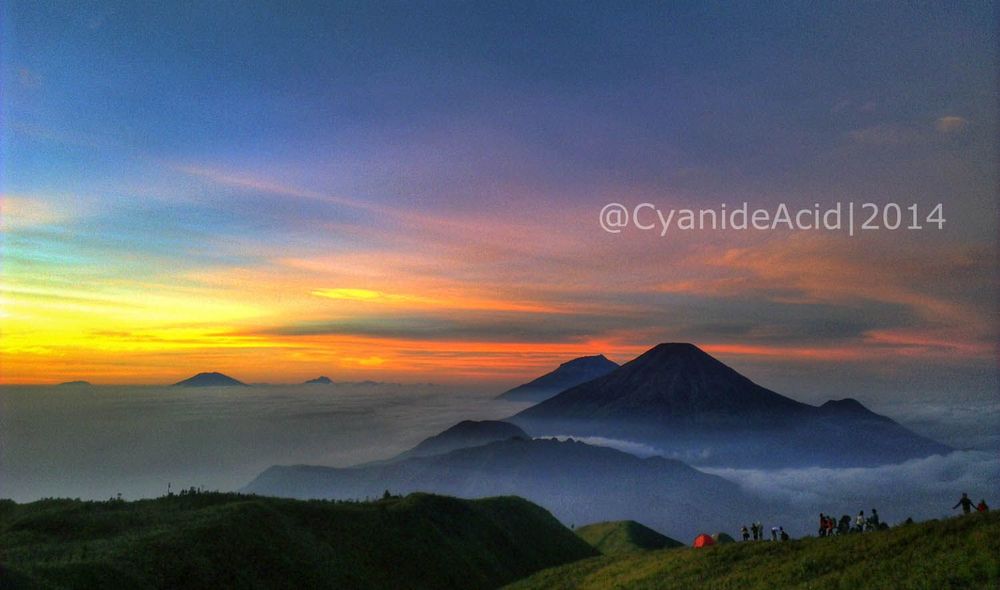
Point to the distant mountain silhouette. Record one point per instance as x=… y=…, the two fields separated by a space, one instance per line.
x=575 y=481
x=322 y=380
x=568 y=374
x=209 y=380
x=683 y=401
x=79 y=383
x=467 y=433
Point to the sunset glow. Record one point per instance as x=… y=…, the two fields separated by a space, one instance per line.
x=297 y=209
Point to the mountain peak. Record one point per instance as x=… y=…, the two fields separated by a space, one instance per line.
x=681 y=356
x=666 y=350
x=568 y=374
x=321 y=380
x=587 y=360
x=672 y=380
x=676 y=346
x=212 y=379
x=848 y=403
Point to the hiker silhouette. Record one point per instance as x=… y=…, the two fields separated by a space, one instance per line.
x=965 y=503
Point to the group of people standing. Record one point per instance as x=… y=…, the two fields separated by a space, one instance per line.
x=830 y=525
x=756 y=532
x=862 y=523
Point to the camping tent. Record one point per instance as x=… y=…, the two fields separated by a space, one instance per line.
x=703 y=540
x=722 y=538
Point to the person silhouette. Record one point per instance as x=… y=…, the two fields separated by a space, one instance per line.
x=965 y=503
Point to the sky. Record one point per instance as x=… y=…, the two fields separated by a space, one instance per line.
x=411 y=191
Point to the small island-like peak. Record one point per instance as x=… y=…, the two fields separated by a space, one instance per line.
x=321 y=380
x=209 y=380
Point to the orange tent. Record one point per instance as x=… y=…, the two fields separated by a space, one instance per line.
x=703 y=540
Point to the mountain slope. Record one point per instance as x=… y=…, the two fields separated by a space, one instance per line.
x=685 y=402
x=575 y=481
x=624 y=536
x=566 y=375
x=209 y=380
x=232 y=541
x=955 y=553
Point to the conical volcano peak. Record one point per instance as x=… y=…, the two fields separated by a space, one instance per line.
x=671 y=349
x=681 y=358
x=671 y=381
x=675 y=347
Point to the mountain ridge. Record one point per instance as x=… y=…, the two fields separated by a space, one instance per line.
x=464 y=434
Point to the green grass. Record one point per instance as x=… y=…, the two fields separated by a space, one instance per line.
x=624 y=536
x=960 y=552
x=234 y=541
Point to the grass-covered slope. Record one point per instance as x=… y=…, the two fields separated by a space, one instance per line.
x=624 y=536
x=233 y=541
x=956 y=553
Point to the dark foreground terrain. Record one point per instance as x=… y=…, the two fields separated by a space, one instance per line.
x=211 y=540
x=236 y=541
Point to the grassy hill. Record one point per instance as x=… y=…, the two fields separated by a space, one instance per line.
x=624 y=536
x=236 y=541
x=960 y=552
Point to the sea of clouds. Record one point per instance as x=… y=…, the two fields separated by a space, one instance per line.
x=96 y=442
x=100 y=441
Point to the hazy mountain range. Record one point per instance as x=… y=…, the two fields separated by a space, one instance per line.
x=577 y=482
x=675 y=399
